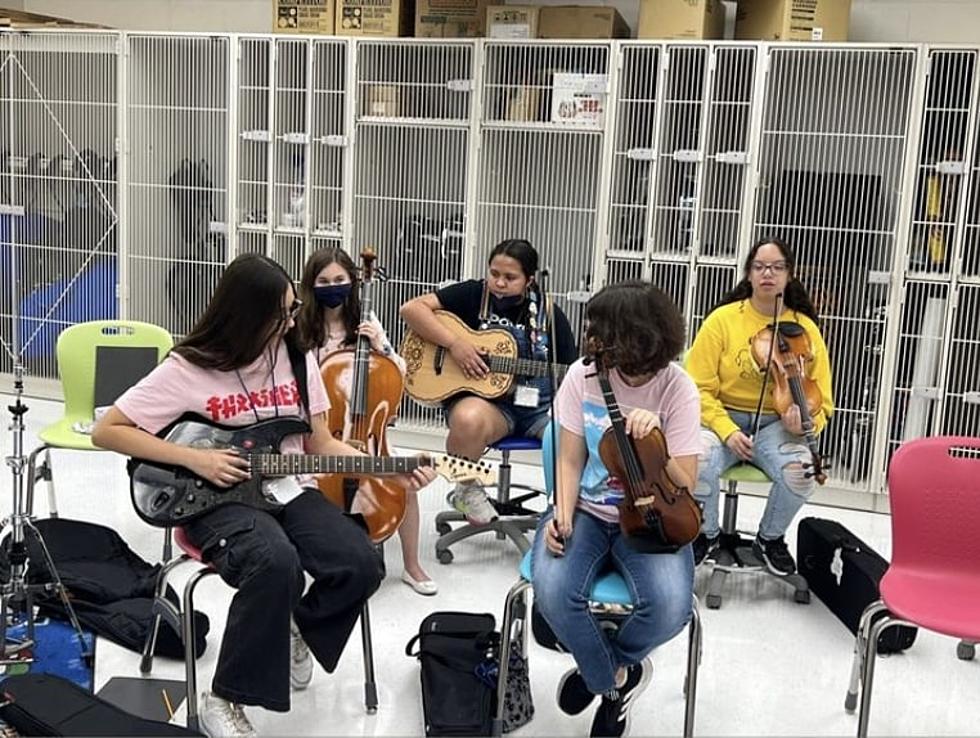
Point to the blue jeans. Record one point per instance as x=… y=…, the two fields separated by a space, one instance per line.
x=779 y=453
x=661 y=586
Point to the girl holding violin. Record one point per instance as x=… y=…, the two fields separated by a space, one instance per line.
x=634 y=331
x=740 y=405
x=331 y=320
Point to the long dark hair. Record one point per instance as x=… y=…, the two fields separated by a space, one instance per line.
x=636 y=326
x=311 y=332
x=525 y=254
x=795 y=296
x=243 y=316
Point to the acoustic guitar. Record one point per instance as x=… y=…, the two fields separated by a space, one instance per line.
x=432 y=375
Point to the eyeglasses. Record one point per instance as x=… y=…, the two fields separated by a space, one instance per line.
x=293 y=309
x=777 y=267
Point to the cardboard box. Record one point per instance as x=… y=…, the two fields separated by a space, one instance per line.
x=579 y=99
x=525 y=105
x=380 y=101
x=450 y=18
x=680 y=19
x=303 y=16
x=793 y=20
x=581 y=21
x=512 y=21
x=389 y=18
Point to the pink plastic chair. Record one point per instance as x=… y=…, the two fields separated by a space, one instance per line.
x=933 y=581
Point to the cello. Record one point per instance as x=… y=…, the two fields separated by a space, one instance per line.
x=365 y=389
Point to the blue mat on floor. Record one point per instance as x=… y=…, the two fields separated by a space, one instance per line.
x=56 y=651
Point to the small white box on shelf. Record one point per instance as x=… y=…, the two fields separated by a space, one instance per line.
x=579 y=99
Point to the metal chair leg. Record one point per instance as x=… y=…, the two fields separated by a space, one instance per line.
x=868 y=672
x=516 y=594
x=189 y=635
x=693 y=662
x=370 y=685
x=864 y=624
x=35 y=472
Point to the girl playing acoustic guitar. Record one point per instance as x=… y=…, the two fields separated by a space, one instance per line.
x=507 y=298
x=235 y=368
x=640 y=331
x=331 y=319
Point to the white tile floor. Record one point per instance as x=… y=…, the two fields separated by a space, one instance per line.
x=771 y=666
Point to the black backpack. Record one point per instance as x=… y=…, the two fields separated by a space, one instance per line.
x=110 y=587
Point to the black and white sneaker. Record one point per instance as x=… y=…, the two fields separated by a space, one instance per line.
x=775 y=555
x=612 y=719
x=573 y=695
x=703 y=546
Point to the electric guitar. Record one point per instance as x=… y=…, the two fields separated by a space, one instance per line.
x=165 y=495
x=432 y=375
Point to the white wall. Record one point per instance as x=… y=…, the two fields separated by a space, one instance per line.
x=940 y=21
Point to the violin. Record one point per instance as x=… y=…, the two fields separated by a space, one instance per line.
x=657 y=515
x=785 y=361
x=361 y=418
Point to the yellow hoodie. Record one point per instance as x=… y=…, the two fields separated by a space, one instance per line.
x=720 y=363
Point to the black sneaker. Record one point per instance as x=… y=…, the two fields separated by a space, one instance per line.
x=703 y=546
x=573 y=695
x=612 y=719
x=775 y=555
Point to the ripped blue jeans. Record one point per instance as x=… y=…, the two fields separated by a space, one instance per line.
x=779 y=453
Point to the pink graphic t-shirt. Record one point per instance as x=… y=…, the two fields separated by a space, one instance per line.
x=581 y=409
x=258 y=391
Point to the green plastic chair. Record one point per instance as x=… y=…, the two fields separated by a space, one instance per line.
x=734 y=554
x=76 y=350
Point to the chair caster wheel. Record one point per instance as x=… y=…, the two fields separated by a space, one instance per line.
x=445 y=556
x=851 y=702
x=713 y=601
x=443 y=528
x=965 y=651
x=802 y=596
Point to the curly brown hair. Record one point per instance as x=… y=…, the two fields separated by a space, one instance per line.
x=635 y=327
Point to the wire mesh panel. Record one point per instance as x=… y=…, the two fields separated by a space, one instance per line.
x=178 y=127
x=961 y=414
x=411 y=165
x=291 y=138
x=969 y=267
x=543 y=123
x=728 y=138
x=634 y=152
x=942 y=162
x=58 y=190
x=254 y=101
x=712 y=281
x=329 y=141
x=833 y=152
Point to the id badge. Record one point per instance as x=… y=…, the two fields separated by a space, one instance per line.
x=526 y=396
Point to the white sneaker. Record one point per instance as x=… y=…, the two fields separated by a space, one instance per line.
x=301 y=661
x=222 y=719
x=472 y=501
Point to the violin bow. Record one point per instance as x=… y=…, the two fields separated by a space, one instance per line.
x=765 y=376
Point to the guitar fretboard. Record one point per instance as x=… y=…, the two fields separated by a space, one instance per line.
x=275 y=465
x=523 y=367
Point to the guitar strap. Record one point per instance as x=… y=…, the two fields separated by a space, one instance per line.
x=297 y=362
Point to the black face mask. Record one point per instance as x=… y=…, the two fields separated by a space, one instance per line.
x=507 y=302
x=332 y=295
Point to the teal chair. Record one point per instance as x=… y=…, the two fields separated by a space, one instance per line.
x=734 y=553
x=76 y=351
x=610 y=600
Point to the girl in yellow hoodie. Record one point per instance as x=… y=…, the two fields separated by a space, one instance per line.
x=721 y=364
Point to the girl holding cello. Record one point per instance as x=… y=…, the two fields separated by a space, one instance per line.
x=634 y=331
x=740 y=420
x=331 y=319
